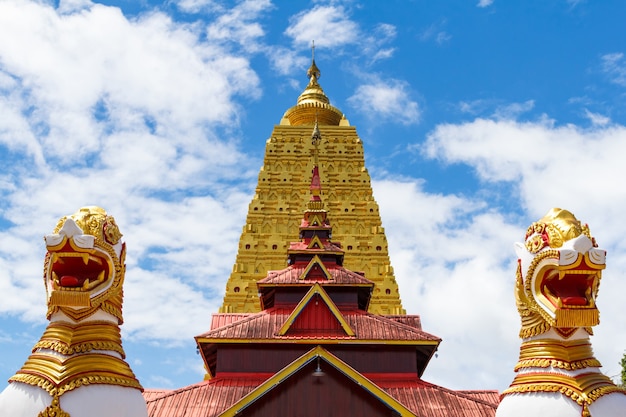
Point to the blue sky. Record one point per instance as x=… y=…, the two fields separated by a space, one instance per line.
x=477 y=117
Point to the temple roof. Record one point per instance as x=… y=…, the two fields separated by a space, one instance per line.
x=212 y=398
x=265 y=326
x=304 y=247
x=293 y=275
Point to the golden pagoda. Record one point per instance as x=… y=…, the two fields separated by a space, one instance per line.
x=281 y=194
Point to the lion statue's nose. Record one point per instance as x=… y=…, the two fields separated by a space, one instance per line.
x=70 y=228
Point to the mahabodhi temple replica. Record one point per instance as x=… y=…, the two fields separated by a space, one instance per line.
x=312 y=323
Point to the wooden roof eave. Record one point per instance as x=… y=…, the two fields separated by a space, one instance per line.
x=307 y=283
x=428 y=356
x=209 y=357
x=308 y=251
x=344 y=340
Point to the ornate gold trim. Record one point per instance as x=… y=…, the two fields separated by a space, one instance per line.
x=58 y=375
x=584 y=389
x=68 y=339
x=533 y=323
x=546 y=363
x=570 y=355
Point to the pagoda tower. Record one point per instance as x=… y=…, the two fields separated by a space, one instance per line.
x=283 y=184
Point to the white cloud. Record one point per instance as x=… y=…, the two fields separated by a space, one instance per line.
x=484 y=3
x=374 y=45
x=125 y=114
x=544 y=166
x=614 y=65
x=513 y=110
x=388 y=100
x=436 y=32
x=454 y=268
x=332 y=28
x=197 y=6
x=495 y=108
x=328 y=26
x=575 y=3
x=539 y=158
x=597 y=119
x=285 y=61
x=72 y=6
x=453 y=255
x=383 y=54
x=239 y=25
x=385 y=31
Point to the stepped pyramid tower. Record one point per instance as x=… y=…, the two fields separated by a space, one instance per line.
x=276 y=208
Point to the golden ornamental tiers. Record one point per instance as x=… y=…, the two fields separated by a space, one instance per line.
x=557 y=280
x=313 y=105
x=282 y=192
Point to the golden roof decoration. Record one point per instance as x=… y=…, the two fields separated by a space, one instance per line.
x=313 y=104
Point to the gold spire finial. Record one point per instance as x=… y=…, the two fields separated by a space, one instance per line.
x=313 y=72
x=312 y=100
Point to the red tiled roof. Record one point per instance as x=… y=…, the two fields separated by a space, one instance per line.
x=151 y=394
x=204 y=399
x=412 y=320
x=291 y=275
x=210 y=398
x=304 y=247
x=222 y=319
x=429 y=400
x=266 y=324
x=490 y=396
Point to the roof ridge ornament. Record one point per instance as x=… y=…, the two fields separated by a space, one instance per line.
x=316 y=203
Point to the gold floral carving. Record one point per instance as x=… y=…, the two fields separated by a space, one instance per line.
x=555 y=363
x=53 y=410
x=94 y=221
x=554 y=229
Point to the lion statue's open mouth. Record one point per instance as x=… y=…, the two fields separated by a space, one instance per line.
x=572 y=289
x=559 y=272
x=73 y=268
x=84 y=263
